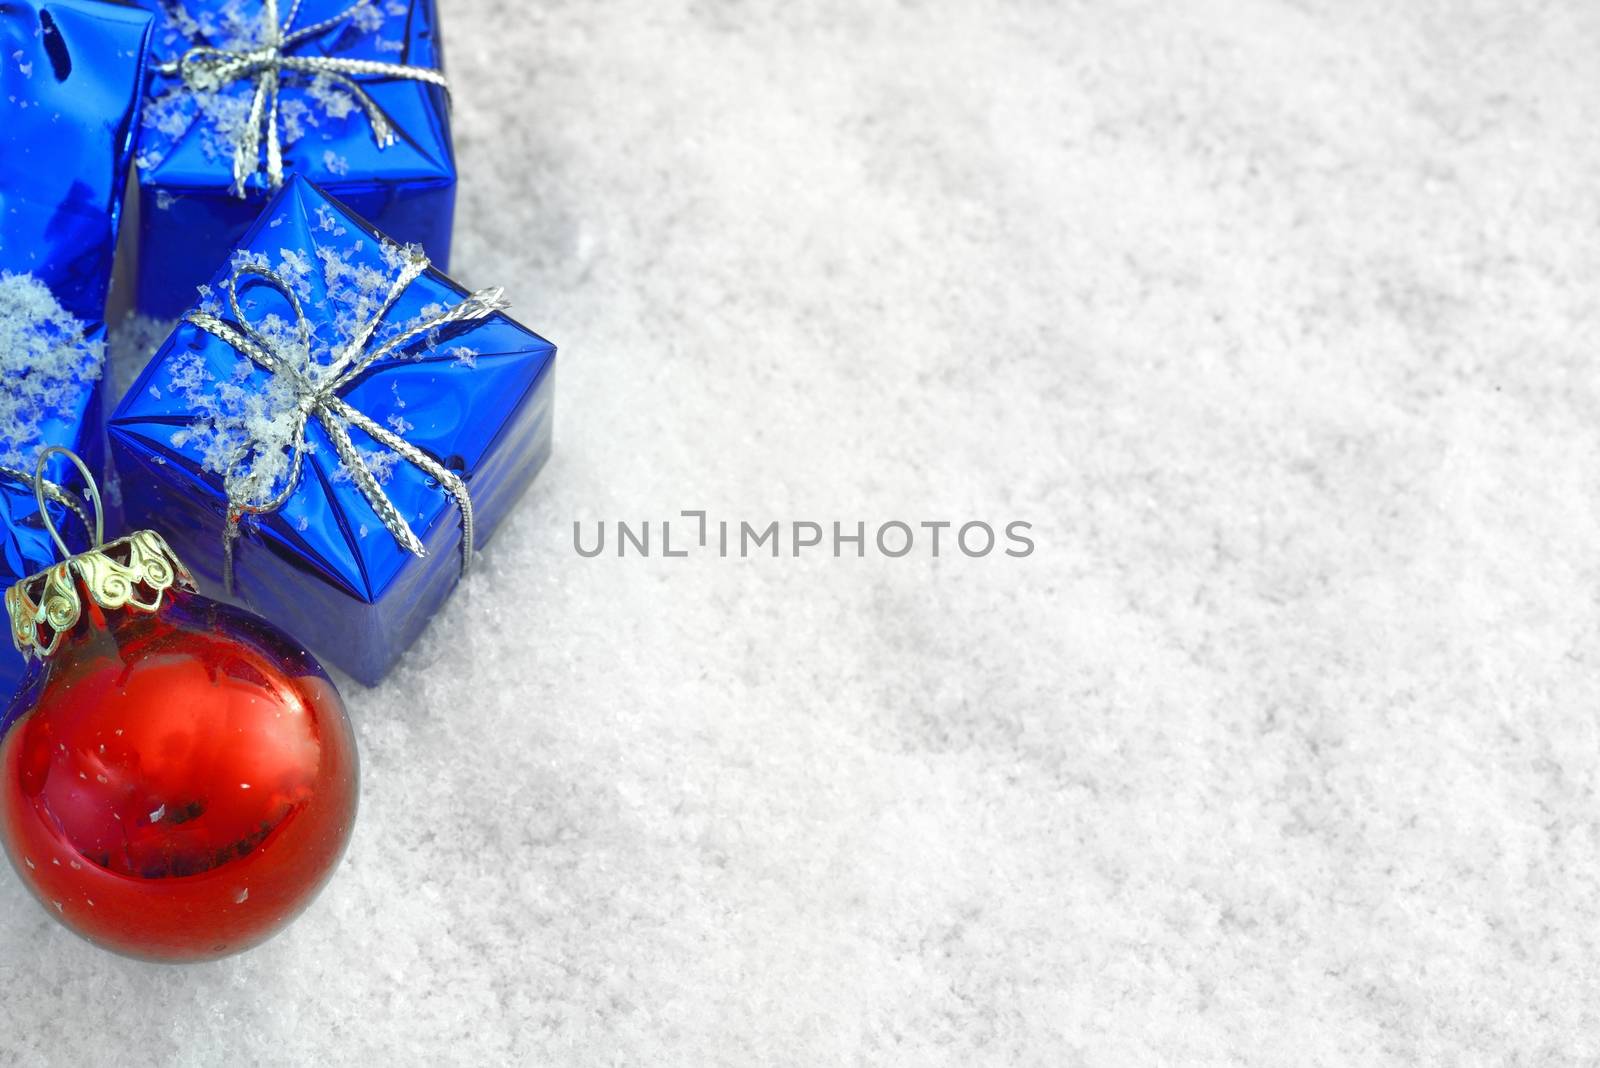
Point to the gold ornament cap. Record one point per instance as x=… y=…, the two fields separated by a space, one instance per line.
x=132 y=572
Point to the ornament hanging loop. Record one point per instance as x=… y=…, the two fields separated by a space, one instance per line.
x=133 y=572
x=39 y=492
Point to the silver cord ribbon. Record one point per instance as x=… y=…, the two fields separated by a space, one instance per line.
x=316 y=389
x=53 y=491
x=204 y=68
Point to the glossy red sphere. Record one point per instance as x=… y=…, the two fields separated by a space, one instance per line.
x=184 y=781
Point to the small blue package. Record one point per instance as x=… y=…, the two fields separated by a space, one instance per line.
x=242 y=93
x=336 y=427
x=70 y=76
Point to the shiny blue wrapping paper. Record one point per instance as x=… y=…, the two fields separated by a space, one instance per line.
x=70 y=81
x=69 y=89
x=189 y=217
x=324 y=567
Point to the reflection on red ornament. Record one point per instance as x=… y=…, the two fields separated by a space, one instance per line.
x=179 y=778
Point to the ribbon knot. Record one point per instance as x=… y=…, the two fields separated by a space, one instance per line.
x=206 y=68
x=317 y=390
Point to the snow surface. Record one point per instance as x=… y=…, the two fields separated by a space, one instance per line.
x=1279 y=320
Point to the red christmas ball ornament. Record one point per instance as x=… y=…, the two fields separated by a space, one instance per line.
x=179 y=779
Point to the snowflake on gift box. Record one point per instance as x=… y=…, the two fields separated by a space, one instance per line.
x=46 y=364
x=245 y=428
x=221 y=112
x=245 y=432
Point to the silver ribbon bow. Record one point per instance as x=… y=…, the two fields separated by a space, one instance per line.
x=317 y=388
x=205 y=68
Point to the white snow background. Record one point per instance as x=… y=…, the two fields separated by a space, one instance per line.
x=1279 y=320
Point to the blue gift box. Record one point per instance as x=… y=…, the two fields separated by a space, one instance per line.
x=197 y=109
x=473 y=397
x=71 y=73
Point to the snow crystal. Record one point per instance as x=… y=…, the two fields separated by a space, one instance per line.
x=225 y=116
x=367 y=18
x=381 y=462
x=356 y=289
x=46 y=364
x=335 y=163
x=328 y=222
x=295 y=266
x=294 y=116
x=243 y=257
x=210 y=301
x=334 y=101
